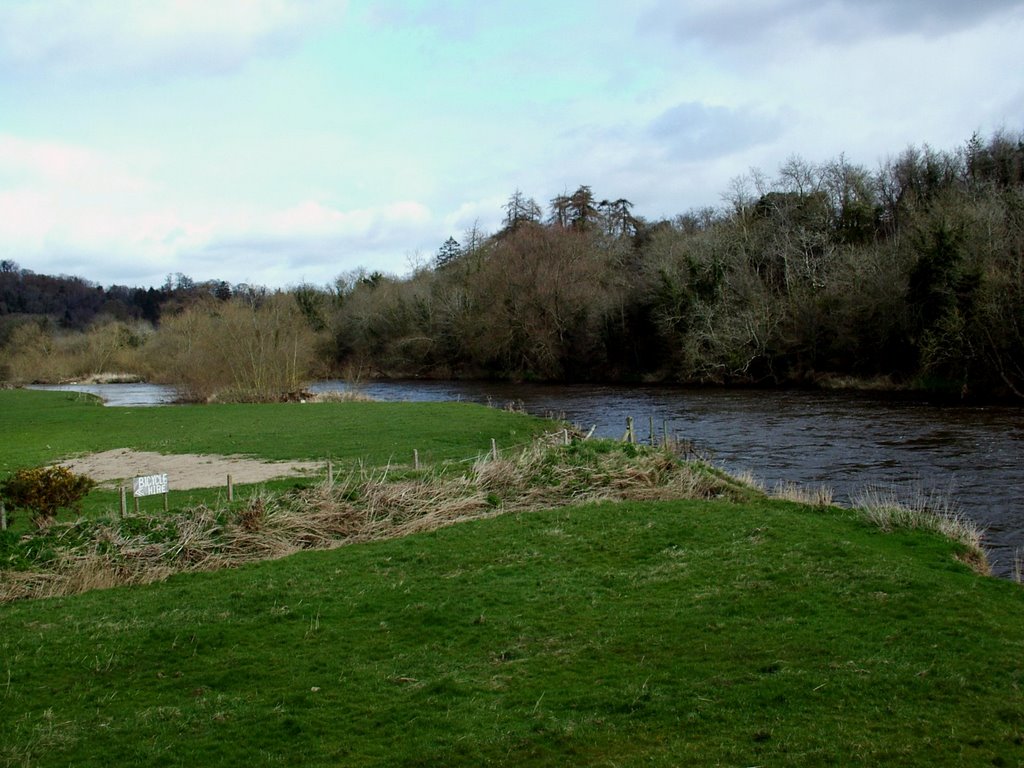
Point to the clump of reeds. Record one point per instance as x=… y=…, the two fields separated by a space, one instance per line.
x=923 y=511
x=366 y=505
x=811 y=495
x=339 y=396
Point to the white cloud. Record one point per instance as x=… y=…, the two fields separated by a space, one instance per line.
x=485 y=215
x=163 y=37
x=71 y=209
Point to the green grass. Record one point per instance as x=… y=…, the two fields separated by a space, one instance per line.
x=672 y=633
x=751 y=632
x=40 y=427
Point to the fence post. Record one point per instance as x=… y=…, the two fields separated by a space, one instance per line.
x=231 y=489
x=330 y=474
x=3 y=516
x=654 y=436
x=415 y=458
x=494 y=449
x=565 y=437
x=630 y=436
x=124 y=501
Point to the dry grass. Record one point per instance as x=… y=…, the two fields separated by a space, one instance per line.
x=924 y=511
x=366 y=505
x=811 y=495
x=338 y=396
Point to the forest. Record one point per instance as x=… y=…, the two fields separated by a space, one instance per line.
x=907 y=276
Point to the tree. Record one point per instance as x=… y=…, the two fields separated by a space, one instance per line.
x=222 y=290
x=582 y=209
x=449 y=251
x=520 y=210
x=617 y=218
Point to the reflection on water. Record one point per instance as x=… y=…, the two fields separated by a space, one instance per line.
x=120 y=394
x=845 y=441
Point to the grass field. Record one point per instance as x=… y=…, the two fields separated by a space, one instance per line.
x=40 y=427
x=687 y=632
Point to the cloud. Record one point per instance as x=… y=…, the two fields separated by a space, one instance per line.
x=71 y=209
x=153 y=37
x=697 y=131
x=484 y=215
x=62 y=166
x=792 y=22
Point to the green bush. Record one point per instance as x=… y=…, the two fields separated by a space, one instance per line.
x=45 y=490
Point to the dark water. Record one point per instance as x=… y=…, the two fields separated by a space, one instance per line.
x=848 y=442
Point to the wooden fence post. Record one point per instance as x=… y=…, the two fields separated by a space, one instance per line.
x=3 y=516
x=630 y=436
x=231 y=490
x=415 y=458
x=565 y=437
x=124 y=502
x=494 y=449
x=330 y=474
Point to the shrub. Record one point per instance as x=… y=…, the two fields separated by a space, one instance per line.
x=45 y=490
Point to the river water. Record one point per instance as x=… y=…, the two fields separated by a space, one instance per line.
x=846 y=441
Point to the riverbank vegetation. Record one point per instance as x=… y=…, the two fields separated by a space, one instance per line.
x=910 y=275
x=575 y=628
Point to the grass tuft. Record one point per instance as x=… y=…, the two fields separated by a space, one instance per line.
x=924 y=511
x=813 y=496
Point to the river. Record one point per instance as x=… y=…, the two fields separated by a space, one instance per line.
x=846 y=441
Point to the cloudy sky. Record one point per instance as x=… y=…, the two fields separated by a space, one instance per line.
x=284 y=141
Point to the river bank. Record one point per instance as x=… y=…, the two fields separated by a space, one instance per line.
x=848 y=441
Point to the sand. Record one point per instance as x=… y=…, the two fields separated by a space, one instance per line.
x=185 y=470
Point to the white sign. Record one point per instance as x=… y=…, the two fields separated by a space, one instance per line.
x=150 y=485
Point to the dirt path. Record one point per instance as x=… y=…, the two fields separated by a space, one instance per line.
x=186 y=470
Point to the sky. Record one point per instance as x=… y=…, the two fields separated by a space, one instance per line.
x=282 y=142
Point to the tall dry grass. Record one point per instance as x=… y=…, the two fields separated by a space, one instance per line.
x=365 y=505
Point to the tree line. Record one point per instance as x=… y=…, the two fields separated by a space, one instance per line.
x=908 y=275
x=911 y=275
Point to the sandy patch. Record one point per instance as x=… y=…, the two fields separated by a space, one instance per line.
x=185 y=470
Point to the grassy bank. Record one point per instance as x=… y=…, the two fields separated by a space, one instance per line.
x=726 y=630
x=705 y=633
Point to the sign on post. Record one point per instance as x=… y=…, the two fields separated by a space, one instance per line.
x=149 y=485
